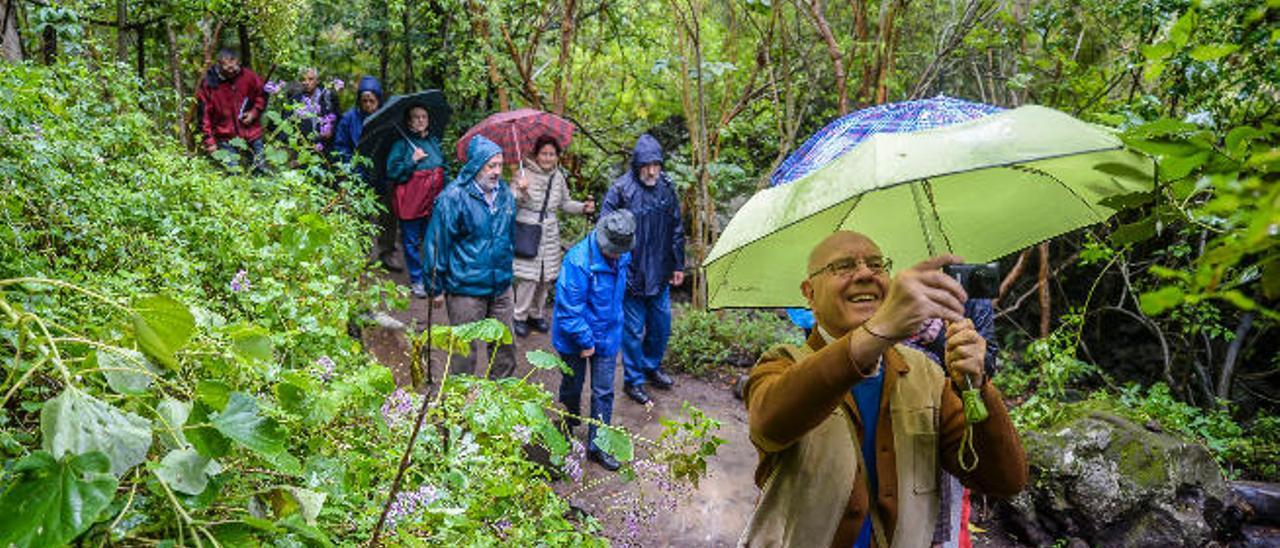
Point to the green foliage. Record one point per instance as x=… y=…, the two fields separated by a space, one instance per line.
x=701 y=340
x=50 y=502
x=1050 y=367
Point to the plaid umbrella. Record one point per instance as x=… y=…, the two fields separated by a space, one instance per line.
x=515 y=131
x=847 y=131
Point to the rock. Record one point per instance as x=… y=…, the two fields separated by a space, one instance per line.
x=1111 y=482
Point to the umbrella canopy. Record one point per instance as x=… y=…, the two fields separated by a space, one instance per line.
x=980 y=189
x=386 y=125
x=851 y=129
x=516 y=131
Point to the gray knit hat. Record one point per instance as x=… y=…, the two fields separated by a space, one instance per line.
x=616 y=232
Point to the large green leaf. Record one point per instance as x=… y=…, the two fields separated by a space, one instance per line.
x=1156 y=302
x=615 y=442
x=286 y=500
x=207 y=440
x=251 y=342
x=52 y=501
x=488 y=330
x=542 y=359
x=127 y=371
x=162 y=326
x=186 y=471
x=77 y=423
x=172 y=417
x=444 y=338
x=241 y=422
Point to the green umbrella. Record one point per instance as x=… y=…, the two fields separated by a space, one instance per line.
x=981 y=189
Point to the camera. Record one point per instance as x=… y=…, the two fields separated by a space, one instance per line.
x=980 y=281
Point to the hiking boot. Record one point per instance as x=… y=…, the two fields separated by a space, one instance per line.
x=391 y=262
x=660 y=380
x=637 y=393
x=520 y=327
x=538 y=324
x=418 y=290
x=604 y=460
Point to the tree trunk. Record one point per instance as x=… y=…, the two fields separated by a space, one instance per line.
x=435 y=73
x=570 y=8
x=1044 y=289
x=480 y=24
x=122 y=37
x=407 y=18
x=246 y=49
x=1233 y=354
x=50 y=44
x=815 y=11
x=179 y=95
x=10 y=40
x=142 y=52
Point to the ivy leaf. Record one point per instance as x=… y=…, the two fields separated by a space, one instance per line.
x=172 y=417
x=444 y=338
x=186 y=471
x=488 y=330
x=162 y=326
x=542 y=359
x=77 y=423
x=1156 y=302
x=251 y=342
x=54 y=501
x=1213 y=52
x=127 y=371
x=241 y=422
x=615 y=442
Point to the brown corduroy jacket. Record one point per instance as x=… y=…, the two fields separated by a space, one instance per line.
x=786 y=399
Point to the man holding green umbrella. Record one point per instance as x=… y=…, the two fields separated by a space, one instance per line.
x=853 y=381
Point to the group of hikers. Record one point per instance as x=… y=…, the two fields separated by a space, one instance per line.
x=862 y=434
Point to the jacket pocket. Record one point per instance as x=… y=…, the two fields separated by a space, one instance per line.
x=920 y=425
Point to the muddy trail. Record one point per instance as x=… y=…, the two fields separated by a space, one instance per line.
x=713 y=514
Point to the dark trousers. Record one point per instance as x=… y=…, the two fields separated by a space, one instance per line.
x=385 y=240
x=602 y=368
x=646 y=324
x=464 y=309
x=412 y=233
x=254 y=153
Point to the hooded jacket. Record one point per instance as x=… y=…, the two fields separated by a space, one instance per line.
x=224 y=100
x=588 y=311
x=469 y=245
x=347 y=135
x=659 y=250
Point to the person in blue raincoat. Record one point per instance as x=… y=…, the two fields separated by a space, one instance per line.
x=415 y=161
x=345 y=139
x=656 y=264
x=587 y=326
x=469 y=246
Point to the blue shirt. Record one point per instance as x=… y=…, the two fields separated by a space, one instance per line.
x=866 y=395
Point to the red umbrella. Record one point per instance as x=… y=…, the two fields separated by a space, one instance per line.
x=515 y=131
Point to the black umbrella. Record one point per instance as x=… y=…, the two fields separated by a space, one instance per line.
x=384 y=127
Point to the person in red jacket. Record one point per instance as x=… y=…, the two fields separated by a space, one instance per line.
x=232 y=100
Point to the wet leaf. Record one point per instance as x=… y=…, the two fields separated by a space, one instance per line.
x=542 y=359
x=616 y=443
x=77 y=423
x=127 y=371
x=53 y=501
x=241 y=422
x=162 y=326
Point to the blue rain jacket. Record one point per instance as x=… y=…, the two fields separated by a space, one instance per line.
x=469 y=244
x=589 y=292
x=347 y=135
x=659 y=250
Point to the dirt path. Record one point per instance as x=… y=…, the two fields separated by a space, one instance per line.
x=713 y=515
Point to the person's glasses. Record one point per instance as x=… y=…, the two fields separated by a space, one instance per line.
x=847 y=266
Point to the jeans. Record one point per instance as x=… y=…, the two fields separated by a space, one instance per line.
x=646 y=324
x=255 y=158
x=412 y=233
x=464 y=309
x=602 y=368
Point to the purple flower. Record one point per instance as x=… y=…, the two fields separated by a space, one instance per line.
x=240 y=282
x=522 y=432
x=411 y=503
x=398 y=407
x=272 y=87
x=319 y=147
x=573 y=461
x=325 y=363
x=38 y=131
x=338 y=84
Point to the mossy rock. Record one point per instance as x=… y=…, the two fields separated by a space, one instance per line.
x=1105 y=479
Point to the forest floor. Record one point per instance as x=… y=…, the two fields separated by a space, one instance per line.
x=714 y=514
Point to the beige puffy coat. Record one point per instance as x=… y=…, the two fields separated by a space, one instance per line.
x=546 y=266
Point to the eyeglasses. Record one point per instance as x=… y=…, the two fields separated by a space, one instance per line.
x=847 y=266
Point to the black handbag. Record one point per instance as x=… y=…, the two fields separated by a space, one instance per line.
x=528 y=237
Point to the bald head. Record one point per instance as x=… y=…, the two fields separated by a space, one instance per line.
x=833 y=246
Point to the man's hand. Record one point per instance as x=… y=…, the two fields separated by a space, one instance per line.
x=418 y=154
x=211 y=147
x=918 y=294
x=677 y=277
x=588 y=352
x=966 y=353
x=589 y=207
x=248 y=117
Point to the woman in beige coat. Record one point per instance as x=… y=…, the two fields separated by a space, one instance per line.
x=535 y=276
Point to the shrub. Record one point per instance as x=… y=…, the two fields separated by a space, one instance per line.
x=701 y=340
